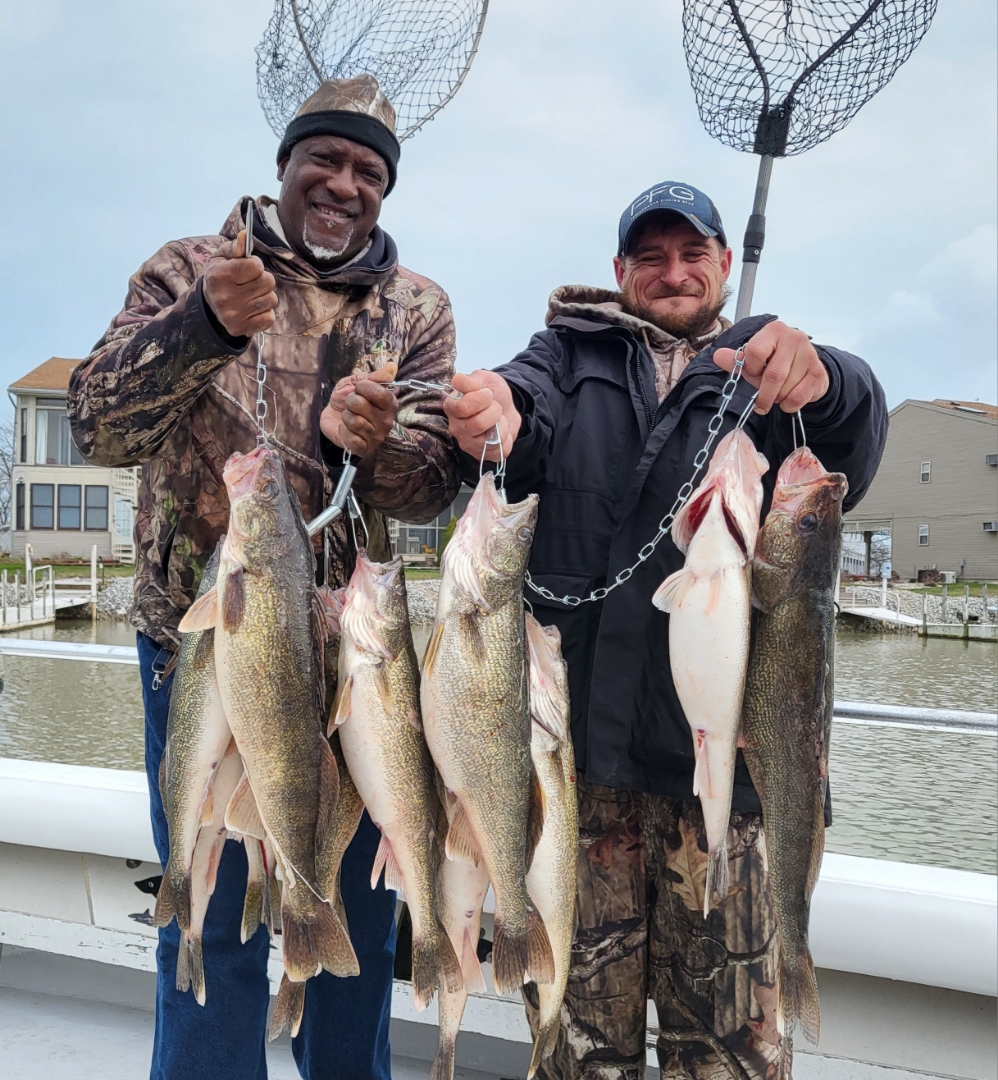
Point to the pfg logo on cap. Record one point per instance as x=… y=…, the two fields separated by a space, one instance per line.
x=666 y=193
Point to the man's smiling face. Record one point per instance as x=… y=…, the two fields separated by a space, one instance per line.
x=331 y=193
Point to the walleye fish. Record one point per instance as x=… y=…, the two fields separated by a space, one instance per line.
x=551 y=879
x=290 y=1004
x=381 y=735
x=268 y=656
x=262 y=906
x=461 y=889
x=708 y=601
x=204 y=868
x=787 y=716
x=197 y=735
x=477 y=719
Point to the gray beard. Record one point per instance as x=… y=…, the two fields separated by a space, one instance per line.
x=324 y=254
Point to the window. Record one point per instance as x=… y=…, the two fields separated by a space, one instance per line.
x=926 y=475
x=24 y=437
x=69 y=506
x=42 y=508
x=53 y=444
x=96 y=509
x=923 y=535
x=19 y=506
x=122 y=516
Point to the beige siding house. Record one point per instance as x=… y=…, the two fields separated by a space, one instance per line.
x=937 y=489
x=61 y=505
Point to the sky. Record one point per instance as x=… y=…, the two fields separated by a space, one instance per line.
x=129 y=124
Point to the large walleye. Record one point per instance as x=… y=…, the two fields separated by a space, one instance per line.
x=381 y=735
x=788 y=707
x=477 y=720
x=708 y=601
x=551 y=879
x=268 y=656
x=197 y=735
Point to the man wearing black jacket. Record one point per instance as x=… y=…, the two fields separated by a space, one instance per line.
x=602 y=415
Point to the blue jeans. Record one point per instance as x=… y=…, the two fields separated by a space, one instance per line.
x=344 y=1033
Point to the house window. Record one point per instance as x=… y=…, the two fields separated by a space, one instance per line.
x=69 y=506
x=19 y=506
x=923 y=535
x=42 y=506
x=926 y=473
x=53 y=443
x=123 y=516
x=24 y=437
x=96 y=508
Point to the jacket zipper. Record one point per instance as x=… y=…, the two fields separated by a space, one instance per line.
x=641 y=391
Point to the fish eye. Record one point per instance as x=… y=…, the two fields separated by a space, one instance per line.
x=269 y=490
x=808 y=523
x=524 y=533
x=400 y=589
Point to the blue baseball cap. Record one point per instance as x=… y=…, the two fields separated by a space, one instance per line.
x=678 y=199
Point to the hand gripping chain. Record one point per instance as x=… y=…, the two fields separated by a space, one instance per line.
x=681 y=499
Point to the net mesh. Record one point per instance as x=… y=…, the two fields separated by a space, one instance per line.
x=780 y=76
x=418 y=50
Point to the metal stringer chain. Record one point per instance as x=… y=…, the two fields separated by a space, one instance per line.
x=682 y=498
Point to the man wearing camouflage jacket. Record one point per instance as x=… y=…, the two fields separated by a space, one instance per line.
x=172 y=386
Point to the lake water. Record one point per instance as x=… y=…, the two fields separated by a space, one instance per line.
x=915 y=796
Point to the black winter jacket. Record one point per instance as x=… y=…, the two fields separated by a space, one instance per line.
x=607 y=462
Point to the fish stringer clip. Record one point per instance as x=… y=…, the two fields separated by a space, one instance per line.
x=260 y=413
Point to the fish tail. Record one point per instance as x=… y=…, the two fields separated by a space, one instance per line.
x=799 y=993
x=522 y=957
x=544 y=1044
x=288 y=1008
x=434 y=964
x=718 y=879
x=173 y=901
x=443 y=1063
x=190 y=967
x=258 y=906
x=314 y=938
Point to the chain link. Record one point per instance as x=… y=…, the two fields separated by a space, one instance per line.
x=727 y=393
x=261 y=382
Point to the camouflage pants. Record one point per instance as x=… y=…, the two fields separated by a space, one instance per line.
x=642 y=934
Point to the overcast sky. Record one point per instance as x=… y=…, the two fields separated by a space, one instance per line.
x=128 y=124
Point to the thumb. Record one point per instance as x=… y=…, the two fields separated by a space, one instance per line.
x=385 y=373
x=466 y=383
x=725 y=359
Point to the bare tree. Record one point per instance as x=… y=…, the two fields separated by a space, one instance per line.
x=6 y=471
x=880 y=553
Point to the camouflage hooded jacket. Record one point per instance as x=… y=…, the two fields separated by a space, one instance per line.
x=166 y=388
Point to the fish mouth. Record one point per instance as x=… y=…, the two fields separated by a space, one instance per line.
x=799 y=477
x=242 y=470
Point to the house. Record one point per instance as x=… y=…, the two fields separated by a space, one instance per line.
x=936 y=490
x=62 y=505
x=427 y=539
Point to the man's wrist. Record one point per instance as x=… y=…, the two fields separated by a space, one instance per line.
x=232 y=344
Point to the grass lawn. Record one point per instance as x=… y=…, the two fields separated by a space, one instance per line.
x=63 y=570
x=422 y=573
x=957 y=589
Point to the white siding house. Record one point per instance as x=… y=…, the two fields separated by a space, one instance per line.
x=61 y=505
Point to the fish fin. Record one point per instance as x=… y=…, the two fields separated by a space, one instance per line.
x=233 y=601
x=434 y=964
x=548 y=679
x=258 y=905
x=202 y=614
x=535 y=817
x=343 y=706
x=190 y=967
x=242 y=814
x=461 y=841
x=714 y=589
x=288 y=1008
x=471 y=634
x=443 y=1063
x=432 y=650
x=817 y=849
x=471 y=966
x=718 y=879
x=517 y=959
x=701 y=774
x=669 y=595
x=799 y=994
x=314 y=938
x=384 y=687
x=329 y=792
x=385 y=860
x=331 y=601
x=173 y=901
x=544 y=1045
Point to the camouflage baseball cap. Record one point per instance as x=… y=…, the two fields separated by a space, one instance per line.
x=354 y=109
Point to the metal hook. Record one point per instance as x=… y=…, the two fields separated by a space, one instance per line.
x=747 y=411
x=798 y=420
x=356 y=515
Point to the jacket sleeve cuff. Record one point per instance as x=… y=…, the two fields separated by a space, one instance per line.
x=226 y=342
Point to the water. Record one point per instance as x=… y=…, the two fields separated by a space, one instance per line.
x=914 y=796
